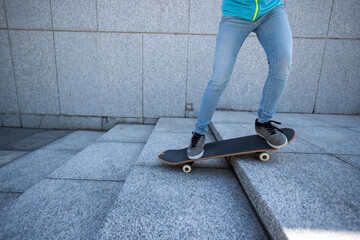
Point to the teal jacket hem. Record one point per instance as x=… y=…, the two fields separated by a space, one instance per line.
x=246 y=9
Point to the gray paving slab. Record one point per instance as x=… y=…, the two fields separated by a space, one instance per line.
x=28 y=14
x=93 y=72
x=164 y=71
x=317 y=22
x=120 y=51
x=80 y=122
x=336 y=175
x=59 y=209
x=345 y=19
x=48 y=121
x=101 y=161
x=174 y=16
x=331 y=139
x=2 y=15
x=294 y=196
x=128 y=133
x=8 y=156
x=357 y=129
x=110 y=122
x=8 y=97
x=31 y=120
x=201 y=50
x=151 y=121
x=302 y=84
x=10 y=135
x=7 y=197
x=205 y=16
x=299 y=192
x=300 y=119
x=120 y=16
x=143 y=16
x=175 y=125
x=321 y=234
x=11 y=120
x=74 y=15
x=75 y=141
x=286 y=119
x=351 y=121
x=165 y=203
x=234 y=117
x=161 y=141
x=22 y=173
x=36 y=77
x=233 y=130
x=36 y=140
x=339 y=74
x=352 y=159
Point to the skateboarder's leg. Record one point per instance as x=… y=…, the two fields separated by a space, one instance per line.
x=275 y=36
x=231 y=34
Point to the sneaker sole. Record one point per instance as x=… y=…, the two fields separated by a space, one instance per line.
x=197 y=156
x=273 y=146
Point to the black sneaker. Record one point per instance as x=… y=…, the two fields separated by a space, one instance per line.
x=196 y=147
x=273 y=135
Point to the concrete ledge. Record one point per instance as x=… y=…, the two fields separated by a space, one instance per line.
x=10 y=120
x=61 y=121
x=307 y=190
x=292 y=203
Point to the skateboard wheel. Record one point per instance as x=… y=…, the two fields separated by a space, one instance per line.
x=186 y=168
x=264 y=157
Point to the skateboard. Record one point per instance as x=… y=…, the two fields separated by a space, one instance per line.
x=225 y=148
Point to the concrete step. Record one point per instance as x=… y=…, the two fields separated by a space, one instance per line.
x=159 y=201
x=20 y=170
x=112 y=157
x=28 y=139
x=73 y=201
x=310 y=189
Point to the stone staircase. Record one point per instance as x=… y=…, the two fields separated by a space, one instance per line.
x=310 y=189
x=159 y=201
x=68 y=186
x=115 y=187
x=112 y=186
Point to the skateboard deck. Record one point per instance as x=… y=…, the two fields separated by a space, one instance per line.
x=225 y=148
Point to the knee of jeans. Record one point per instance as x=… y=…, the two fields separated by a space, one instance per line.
x=282 y=64
x=217 y=84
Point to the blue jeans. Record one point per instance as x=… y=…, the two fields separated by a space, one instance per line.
x=274 y=34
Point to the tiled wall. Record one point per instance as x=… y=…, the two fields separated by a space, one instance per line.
x=91 y=63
